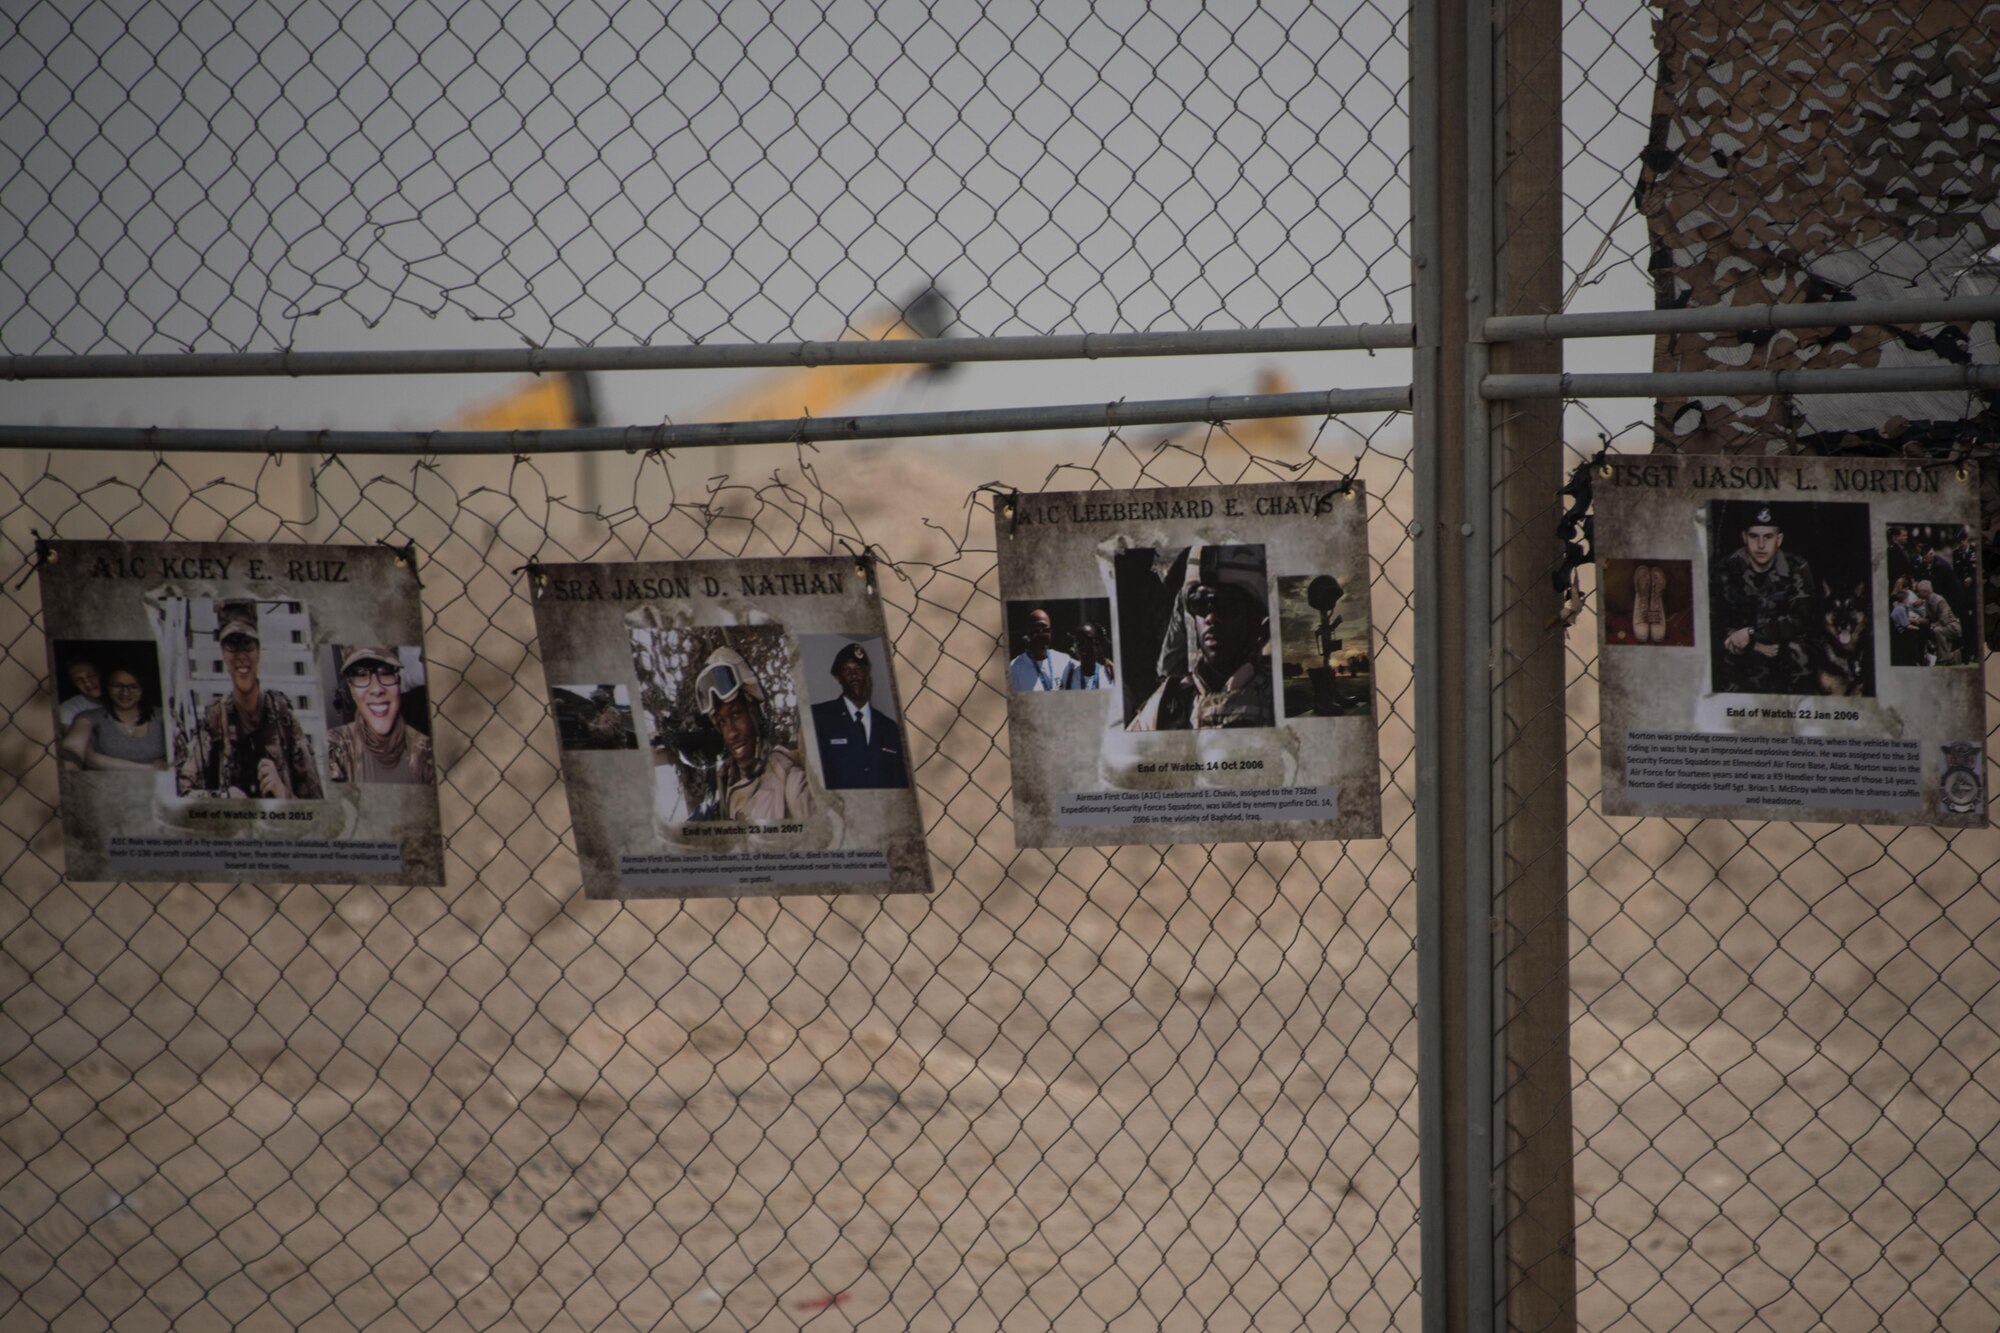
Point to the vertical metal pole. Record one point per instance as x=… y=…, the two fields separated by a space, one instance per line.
x=1478 y=550
x=1534 y=1171
x=1438 y=120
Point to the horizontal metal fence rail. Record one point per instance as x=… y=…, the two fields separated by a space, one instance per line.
x=667 y=436
x=1742 y=383
x=710 y=356
x=1748 y=318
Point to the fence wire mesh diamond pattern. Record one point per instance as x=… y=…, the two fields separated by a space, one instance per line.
x=1158 y=1088
x=1781 y=1034
x=221 y=177
x=1782 y=1038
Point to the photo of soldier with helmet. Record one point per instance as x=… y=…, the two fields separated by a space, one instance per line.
x=1204 y=612
x=724 y=724
x=246 y=737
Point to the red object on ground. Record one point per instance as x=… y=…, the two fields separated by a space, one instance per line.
x=826 y=1302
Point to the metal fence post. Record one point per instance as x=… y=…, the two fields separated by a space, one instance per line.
x=1535 y=1196
x=1455 y=1103
x=1491 y=720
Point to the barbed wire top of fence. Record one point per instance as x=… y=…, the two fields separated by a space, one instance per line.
x=218 y=176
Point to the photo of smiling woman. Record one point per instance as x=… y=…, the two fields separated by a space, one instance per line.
x=384 y=740
x=127 y=732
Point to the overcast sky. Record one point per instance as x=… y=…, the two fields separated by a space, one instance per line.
x=746 y=172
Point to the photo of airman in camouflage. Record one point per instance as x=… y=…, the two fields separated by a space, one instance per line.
x=249 y=744
x=1761 y=605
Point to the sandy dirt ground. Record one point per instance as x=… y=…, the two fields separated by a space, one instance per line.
x=1137 y=1090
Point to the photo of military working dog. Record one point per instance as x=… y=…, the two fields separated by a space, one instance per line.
x=1789 y=608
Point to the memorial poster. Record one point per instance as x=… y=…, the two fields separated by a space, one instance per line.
x=1189 y=665
x=1791 y=638
x=241 y=713
x=729 y=728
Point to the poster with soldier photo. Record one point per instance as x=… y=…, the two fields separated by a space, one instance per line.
x=1791 y=638
x=735 y=728
x=241 y=713
x=1189 y=665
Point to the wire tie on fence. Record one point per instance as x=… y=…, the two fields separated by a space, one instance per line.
x=1572 y=605
x=1347 y=481
x=45 y=554
x=406 y=558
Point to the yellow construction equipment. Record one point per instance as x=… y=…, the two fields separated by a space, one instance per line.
x=817 y=391
x=551 y=402
x=544 y=402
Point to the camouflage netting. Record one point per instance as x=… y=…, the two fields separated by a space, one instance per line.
x=1809 y=151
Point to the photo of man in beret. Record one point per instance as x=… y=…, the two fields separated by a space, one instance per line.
x=859 y=746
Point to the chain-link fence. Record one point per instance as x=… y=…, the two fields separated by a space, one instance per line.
x=221 y=177
x=1082 y=1089
x=1781 y=1033
x=1783 y=1037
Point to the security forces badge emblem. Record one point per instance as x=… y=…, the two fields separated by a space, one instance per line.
x=1961 y=791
